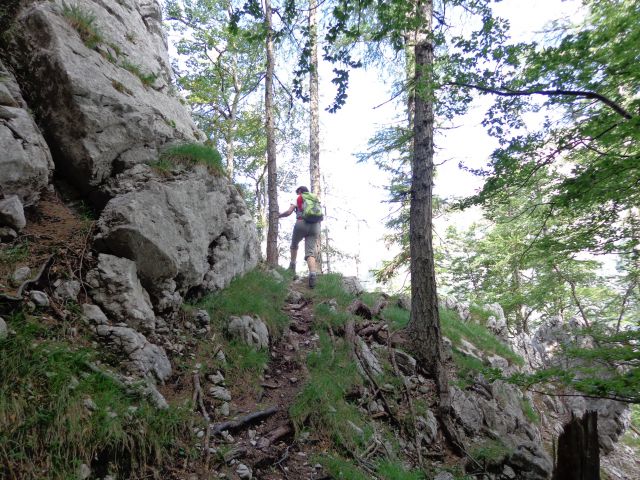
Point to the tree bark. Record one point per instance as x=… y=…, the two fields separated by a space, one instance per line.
x=578 y=450
x=272 y=184
x=314 y=117
x=424 y=326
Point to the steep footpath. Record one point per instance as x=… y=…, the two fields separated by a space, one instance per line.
x=137 y=337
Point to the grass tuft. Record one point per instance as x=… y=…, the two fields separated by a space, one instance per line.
x=84 y=22
x=14 y=254
x=190 y=154
x=330 y=286
x=147 y=79
x=455 y=330
x=45 y=425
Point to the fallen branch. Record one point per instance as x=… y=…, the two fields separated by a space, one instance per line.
x=242 y=422
x=274 y=435
x=198 y=396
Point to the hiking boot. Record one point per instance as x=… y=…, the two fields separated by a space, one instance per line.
x=312 y=280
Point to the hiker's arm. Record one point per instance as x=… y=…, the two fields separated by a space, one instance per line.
x=288 y=212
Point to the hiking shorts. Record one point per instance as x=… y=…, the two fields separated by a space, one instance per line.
x=310 y=232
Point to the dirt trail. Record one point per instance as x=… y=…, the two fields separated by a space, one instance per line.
x=269 y=447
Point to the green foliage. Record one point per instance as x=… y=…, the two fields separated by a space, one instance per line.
x=321 y=405
x=330 y=286
x=490 y=452
x=14 y=254
x=255 y=293
x=147 y=79
x=341 y=468
x=529 y=411
x=44 y=423
x=396 y=316
x=325 y=316
x=455 y=330
x=390 y=470
x=84 y=22
x=121 y=88
x=190 y=154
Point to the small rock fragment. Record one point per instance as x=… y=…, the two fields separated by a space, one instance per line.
x=12 y=213
x=4 y=332
x=243 y=471
x=39 y=298
x=20 y=275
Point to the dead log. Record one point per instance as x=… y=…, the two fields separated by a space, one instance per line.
x=360 y=309
x=578 y=456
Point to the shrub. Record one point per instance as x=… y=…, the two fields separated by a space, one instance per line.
x=190 y=154
x=84 y=22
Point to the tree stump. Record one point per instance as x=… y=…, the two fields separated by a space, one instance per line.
x=578 y=456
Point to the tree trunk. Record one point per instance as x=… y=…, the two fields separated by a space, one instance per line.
x=578 y=450
x=272 y=184
x=424 y=326
x=314 y=116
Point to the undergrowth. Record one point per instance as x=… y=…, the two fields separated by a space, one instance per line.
x=188 y=155
x=257 y=293
x=147 y=79
x=84 y=22
x=56 y=413
x=330 y=286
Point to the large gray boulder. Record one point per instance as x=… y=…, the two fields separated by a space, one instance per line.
x=25 y=160
x=12 y=213
x=107 y=104
x=193 y=228
x=115 y=286
x=249 y=330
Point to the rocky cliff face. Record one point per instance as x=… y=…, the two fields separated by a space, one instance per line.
x=86 y=85
x=97 y=75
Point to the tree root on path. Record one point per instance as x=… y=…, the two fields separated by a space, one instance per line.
x=242 y=422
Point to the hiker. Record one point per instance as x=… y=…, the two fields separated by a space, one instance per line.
x=308 y=218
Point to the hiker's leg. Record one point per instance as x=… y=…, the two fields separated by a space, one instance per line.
x=310 y=242
x=294 y=255
x=311 y=262
x=296 y=237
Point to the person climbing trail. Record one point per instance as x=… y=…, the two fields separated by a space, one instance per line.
x=308 y=217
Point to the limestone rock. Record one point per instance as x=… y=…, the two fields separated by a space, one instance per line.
x=115 y=286
x=497 y=321
x=12 y=213
x=67 y=290
x=25 y=162
x=244 y=472
x=202 y=318
x=195 y=229
x=7 y=234
x=20 y=275
x=4 y=331
x=144 y=357
x=39 y=298
x=94 y=315
x=100 y=116
x=249 y=330
x=220 y=393
x=352 y=286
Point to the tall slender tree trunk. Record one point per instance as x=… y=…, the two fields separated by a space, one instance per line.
x=424 y=326
x=272 y=184
x=314 y=116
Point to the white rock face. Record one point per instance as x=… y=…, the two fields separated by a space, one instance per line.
x=12 y=213
x=25 y=160
x=194 y=229
x=116 y=287
x=99 y=115
x=249 y=330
